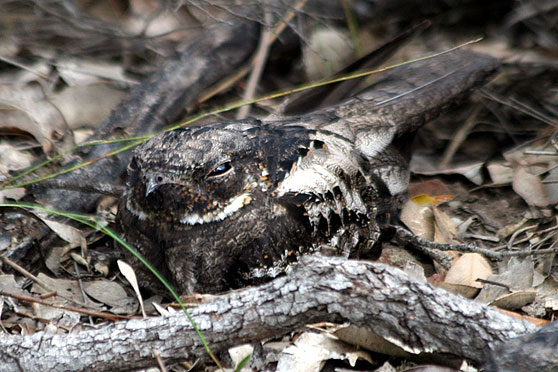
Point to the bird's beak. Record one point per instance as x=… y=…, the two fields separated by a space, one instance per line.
x=152 y=185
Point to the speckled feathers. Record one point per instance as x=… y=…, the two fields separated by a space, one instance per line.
x=233 y=203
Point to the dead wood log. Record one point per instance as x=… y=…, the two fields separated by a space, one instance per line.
x=417 y=317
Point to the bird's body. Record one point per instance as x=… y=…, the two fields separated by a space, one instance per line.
x=218 y=206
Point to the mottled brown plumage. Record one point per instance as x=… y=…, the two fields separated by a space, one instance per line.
x=230 y=203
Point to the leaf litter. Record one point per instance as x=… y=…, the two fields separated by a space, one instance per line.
x=496 y=186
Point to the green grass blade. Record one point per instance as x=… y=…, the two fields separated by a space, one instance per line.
x=235 y=105
x=94 y=223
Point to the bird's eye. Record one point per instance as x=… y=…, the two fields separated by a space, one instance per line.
x=220 y=170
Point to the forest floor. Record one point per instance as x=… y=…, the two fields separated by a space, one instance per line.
x=486 y=173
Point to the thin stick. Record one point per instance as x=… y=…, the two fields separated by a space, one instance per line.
x=260 y=59
x=30 y=299
x=459 y=138
x=407 y=237
x=35 y=279
x=160 y=361
x=225 y=84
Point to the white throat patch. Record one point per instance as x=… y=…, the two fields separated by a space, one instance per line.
x=231 y=208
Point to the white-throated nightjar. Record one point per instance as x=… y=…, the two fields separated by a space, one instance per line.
x=229 y=203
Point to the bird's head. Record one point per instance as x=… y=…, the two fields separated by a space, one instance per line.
x=195 y=175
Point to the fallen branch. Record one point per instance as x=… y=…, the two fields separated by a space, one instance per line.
x=415 y=316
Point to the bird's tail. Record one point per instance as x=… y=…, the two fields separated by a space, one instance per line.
x=413 y=94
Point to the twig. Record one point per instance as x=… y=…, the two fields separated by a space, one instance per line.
x=443 y=259
x=81 y=289
x=30 y=299
x=260 y=59
x=404 y=236
x=35 y=279
x=160 y=361
x=491 y=282
x=227 y=83
x=517 y=232
x=459 y=138
x=24 y=67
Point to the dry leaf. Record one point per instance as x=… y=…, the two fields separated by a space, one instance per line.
x=543 y=268
x=415 y=271
x=53 y=259
x=112 y=294
x=61 y=318
x=82 y=134
x=433 y=200
x=239 y=353
x=80 y=71
x=463 y=290
x=515 y=300
x=386 y=367
x=151 y=18
x=418 y=212
x=130 y=276
x=74 y=103
x=444 y=228
x=14 y=194
x=501 y=172
x=25 y=108
x=63 y=287
x=328 y=50
x=516 y=276
x=311 y=350
x=66 y=232
x=419 y=218
x=428 y=166
x=9 y=285
x=161 y=310
x=12 y=159
x=434 y=188
x=530 y=187
x=467 y=269
x=546 y=300
x=366 y=338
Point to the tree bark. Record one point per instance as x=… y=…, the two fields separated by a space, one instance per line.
x=417 y=317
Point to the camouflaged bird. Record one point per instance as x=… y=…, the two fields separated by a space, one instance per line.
x=230 y=203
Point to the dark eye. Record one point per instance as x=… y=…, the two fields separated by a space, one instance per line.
x=220 y=170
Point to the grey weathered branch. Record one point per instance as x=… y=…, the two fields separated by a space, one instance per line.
x=417 y=317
